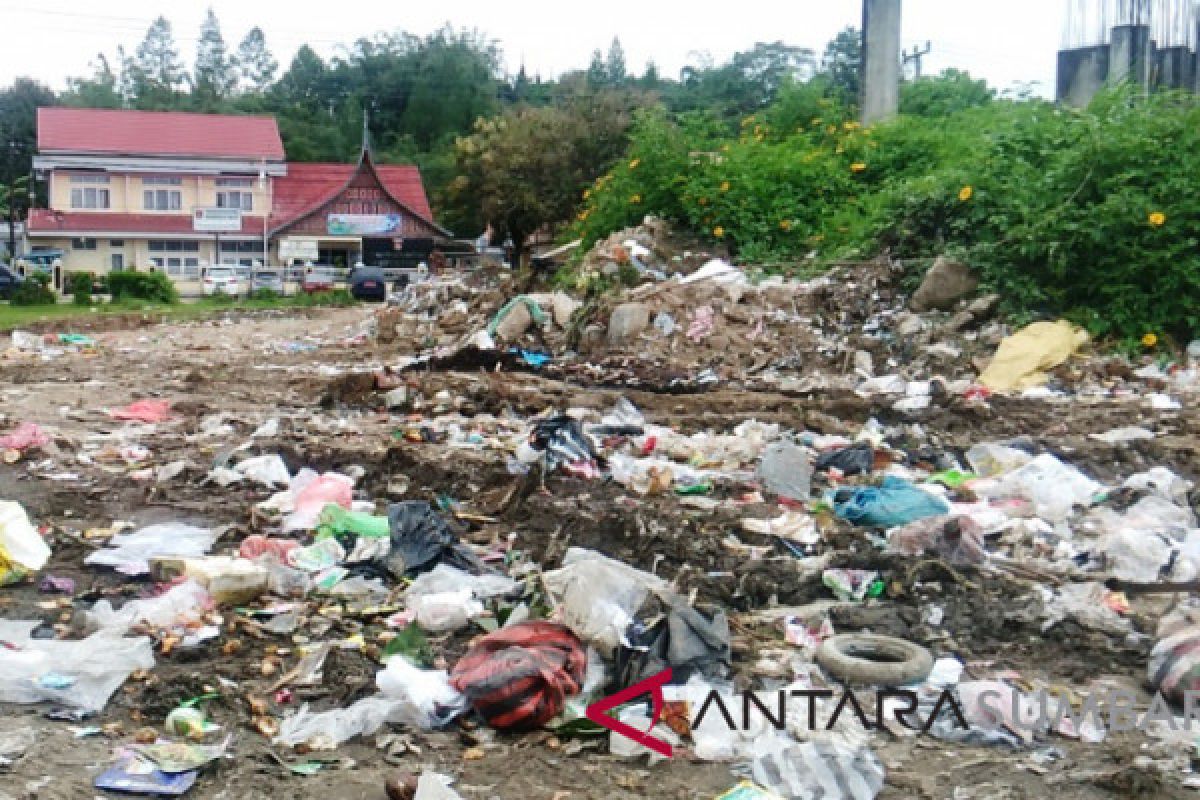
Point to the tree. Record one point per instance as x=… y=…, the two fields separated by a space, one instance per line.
x=14 y=207
x=614 y=65
x=156 y=72
x=519 y=167
x=18 y=126
x=597 y=71
x=650 y=78
x=101 y=90
x=213 y=77
x=842 y=65
x=952 y=91
x=747 y=84
x=255 y=65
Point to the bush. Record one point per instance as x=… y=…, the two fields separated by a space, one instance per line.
x=81 y=287
x=153 y=286
x=264 y=294
x=34 y=291
x=339 y=298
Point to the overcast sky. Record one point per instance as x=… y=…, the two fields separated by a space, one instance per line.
x=1005 y=42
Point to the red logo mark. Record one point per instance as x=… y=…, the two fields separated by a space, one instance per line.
x=652 y=686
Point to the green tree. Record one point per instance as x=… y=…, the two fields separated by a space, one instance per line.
x=18 y=126
x=213 y=76
x=842 y=65
x=255 y=66
x=156 y=74
x=943 y=95
x=748 y=83
x=597 y=71
x=14 y=207
x=101 y=90
x=614 y=64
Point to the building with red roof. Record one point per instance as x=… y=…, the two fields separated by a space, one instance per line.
x=181 y=192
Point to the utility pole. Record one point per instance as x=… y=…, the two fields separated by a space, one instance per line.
x=916 y=55
x=881 y=60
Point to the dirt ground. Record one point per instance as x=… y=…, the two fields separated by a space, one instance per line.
x=312 y=373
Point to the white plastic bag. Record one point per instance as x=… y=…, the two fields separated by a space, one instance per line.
x=445 y=578
x=445 y=611
x=1052 y=486
x=20 y=543
x=268 y=470
x=130 y=553
x=182 y=605
x=81 y=674
x=988 y=460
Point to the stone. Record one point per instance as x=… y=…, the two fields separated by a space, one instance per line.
x=908 y=324
x=983 y=306
x=959 y=321
x=945 y=284
x=515 y=323
x=627 y=321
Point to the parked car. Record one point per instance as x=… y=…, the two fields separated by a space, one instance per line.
x=318 y=279
x=9 y=281
x=267 y=279
x=221 y=280
x=368 y=283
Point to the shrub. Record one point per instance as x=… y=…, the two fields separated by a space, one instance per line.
x=153 y=286
x=34 y=291
x=335 y=297
x=81 y=288
x=264 y=294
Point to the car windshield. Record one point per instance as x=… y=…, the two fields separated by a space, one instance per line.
x=266 y=276
x=220 y=273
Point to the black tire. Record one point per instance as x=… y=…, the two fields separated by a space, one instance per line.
x=868 y=659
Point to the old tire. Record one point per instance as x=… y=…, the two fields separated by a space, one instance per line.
x=868 y=659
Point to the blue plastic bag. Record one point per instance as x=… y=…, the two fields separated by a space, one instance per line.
x=894 y=502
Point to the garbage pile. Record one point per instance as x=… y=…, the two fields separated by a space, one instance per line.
x=833 y=575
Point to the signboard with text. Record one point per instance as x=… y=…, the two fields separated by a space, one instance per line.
x=298 y=248
x=217 y=220
x=362 y=224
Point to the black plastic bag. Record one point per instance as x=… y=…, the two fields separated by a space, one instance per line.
x=683 y=639
x=857 y=459
x=421 y=539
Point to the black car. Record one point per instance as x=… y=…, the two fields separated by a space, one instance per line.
x=368 y=283
x=9 y=281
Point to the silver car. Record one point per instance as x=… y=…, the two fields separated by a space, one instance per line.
x=267 y=279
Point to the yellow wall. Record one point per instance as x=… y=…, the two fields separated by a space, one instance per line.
x=125 y=193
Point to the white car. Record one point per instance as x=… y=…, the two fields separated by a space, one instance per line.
x=222 y=280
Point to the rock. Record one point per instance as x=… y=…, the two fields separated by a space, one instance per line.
x=515 y=323
x=946 y=283
x=908 y=324
x=627 y=321
x=983 y=306
x=960 y=320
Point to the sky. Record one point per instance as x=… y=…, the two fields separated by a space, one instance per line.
x=1004 y=42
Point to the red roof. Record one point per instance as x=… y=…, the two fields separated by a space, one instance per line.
x=308 y=186
x=157 y=133
x=44 y=220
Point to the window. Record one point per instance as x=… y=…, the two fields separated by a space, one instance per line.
x=116 y=261
x=89 y=198
x=248 y=246
x=234 y=183
x=83 y=244
x=159 y=181
x=173 y=246
x=116 y=242
x=92 y=179
x=162 y=200
x=242 y=200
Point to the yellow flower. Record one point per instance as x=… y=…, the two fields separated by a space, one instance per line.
x=1157 y=219
x=635 y=199
x=816 y=121
x=1149 y=340
x=758 y=137
x=839 y=150
x=587 y=193
x=634 y=164
x=583 y=215
x=748 y=121
x=851 y=126
x=718 y=231
x=785 y=224
x=724 y=186
x=831 y=130
x=858 y=166
x=703 y=201
x=965 y=193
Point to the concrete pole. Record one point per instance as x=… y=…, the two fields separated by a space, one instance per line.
x=881 y=60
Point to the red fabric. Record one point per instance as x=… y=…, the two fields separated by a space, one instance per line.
x=158 y=133
x=519 y=677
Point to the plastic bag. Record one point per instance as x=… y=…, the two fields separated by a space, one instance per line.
x=1021 y=359
x=266 y=470
x=24 y=436
x=183 y=605
x=520 y=676
x=22 y=549
x=130 y=553
x=561 y=441
x=445 y=578
x=824 y=769
x=81 y=674
x=144 y=411
x=857 y=459
x=1053 y=487
x=988 y=460
x=895 y=502
x=1162 y=482
x=599 y=596
x=957 y=539
x=445 y=611
x=421 y=537
x=307 y=495
x=786 y=470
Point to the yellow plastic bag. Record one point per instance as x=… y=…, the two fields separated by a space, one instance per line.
x=22 y=549
x=1021 y=359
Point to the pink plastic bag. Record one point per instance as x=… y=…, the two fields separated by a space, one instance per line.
x=257 y=545
x=313 y=494
x=25 y=435
x=144 y=411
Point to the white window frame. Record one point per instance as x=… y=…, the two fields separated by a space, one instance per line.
x=90 y=197
x=234 y=183
x=162 y=200
x=161 y=180
x=236 y=199
x=92 y=179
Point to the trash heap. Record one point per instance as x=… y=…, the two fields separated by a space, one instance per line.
x=820 y=574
